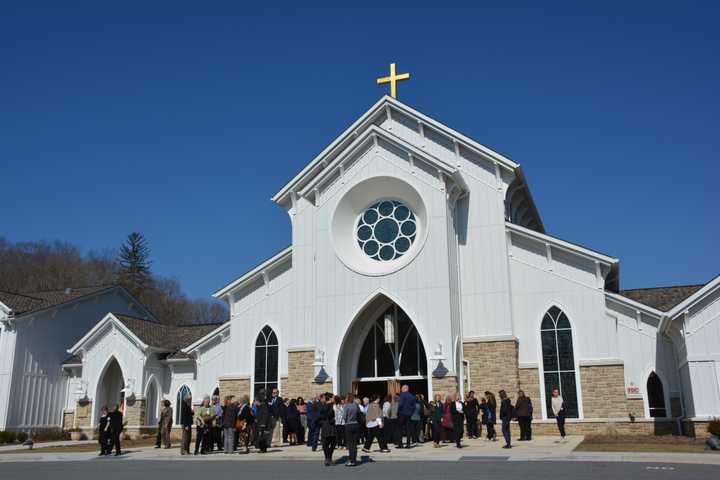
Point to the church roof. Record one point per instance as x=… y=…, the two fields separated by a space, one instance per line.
x=326 y=159
x=23 y=303
x=166 y=337
x=661 y=298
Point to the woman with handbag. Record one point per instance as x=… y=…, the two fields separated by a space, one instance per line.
x=244 y=423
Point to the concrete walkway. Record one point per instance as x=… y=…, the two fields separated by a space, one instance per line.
x=539 y=449
x=59 y=443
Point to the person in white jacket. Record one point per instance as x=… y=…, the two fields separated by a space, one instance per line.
x=558 y=408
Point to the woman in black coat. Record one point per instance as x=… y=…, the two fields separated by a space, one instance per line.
x=506 y=414
x=327 y=428
x=457 y=408
x=262 y=424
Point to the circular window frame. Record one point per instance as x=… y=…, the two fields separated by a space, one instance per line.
x=398 y=224
x=344 y=223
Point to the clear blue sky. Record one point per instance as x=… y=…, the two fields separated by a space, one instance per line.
x=181 y=121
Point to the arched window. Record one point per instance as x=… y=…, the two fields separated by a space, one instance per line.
x=182 y=394
x=558 y=360
x=392 y=348
x=656 y=396
x=266 y=361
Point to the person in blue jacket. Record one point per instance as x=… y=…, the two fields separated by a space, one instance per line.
x=313 y=422
x=406 y=408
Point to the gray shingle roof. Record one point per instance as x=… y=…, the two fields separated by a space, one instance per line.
x=22 y=303
x=661 y=298
x=167 y=337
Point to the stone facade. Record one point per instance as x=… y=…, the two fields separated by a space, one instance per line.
x=236 y=386
x=529 y=382
x=636 y=407
x=301 y=380
x=68 y=419
x=83 y=414
x=603 y=392
x=493 y=365
x=444 y=385
x=134 y=414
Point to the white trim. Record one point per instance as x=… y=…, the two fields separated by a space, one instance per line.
x=491 y=338
x=234 y=377
x=685 y=305
x=107 y=319
x=206 y=338
x=528 y=365
x=617 y=298
x=601 y=362
x=267 y=264
x=301 y=348
x=357 y=127
x=561 y=244
x=6 y=309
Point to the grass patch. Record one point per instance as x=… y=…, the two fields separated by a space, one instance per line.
x=638 y=443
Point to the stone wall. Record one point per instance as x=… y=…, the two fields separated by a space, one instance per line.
x=301 y=376
x=493 y=365
x=603 y=391
x=134 y=415
x=68 y=419
x=529 y=382
x=635 y=406
x=83 y=415
x=444 y=385
x=236 y=386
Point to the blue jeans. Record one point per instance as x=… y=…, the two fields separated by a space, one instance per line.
x=506 y=430
x=313 y=435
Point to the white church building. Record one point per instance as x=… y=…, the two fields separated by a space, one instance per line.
x=418 y=257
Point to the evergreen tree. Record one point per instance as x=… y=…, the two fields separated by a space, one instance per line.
x=134 y=263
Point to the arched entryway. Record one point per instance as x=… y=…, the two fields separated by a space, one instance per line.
x=381 y=351
x=110 y=387
x=656 y=397
x=151 y=403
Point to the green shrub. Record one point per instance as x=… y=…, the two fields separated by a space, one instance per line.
x=714 y=427
x=21 y=437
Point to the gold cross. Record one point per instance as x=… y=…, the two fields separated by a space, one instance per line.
x=393 y=79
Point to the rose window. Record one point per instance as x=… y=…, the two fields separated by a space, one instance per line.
x=386 y=230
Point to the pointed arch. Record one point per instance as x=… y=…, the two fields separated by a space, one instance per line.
x=656 y=396
x=183 y=392
x=363 y=355
x=108 y=386
x=559 y=365
x=152 y=393
x=267 y=360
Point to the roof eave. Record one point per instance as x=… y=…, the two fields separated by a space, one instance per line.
x=297 y=183
x=635 y=305
x=269 y=263
x=562 y=244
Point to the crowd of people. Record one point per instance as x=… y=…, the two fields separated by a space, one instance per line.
x=333 y=422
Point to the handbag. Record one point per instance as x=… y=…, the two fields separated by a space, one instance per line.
x=240 y=424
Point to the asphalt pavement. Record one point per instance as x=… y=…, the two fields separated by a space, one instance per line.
x=465 y=468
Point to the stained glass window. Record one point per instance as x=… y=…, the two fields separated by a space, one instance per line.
x=558 y=360
x=386 y=230
x=266 y=361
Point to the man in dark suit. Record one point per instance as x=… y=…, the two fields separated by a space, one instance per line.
x=116 y=427
x=313 y=421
